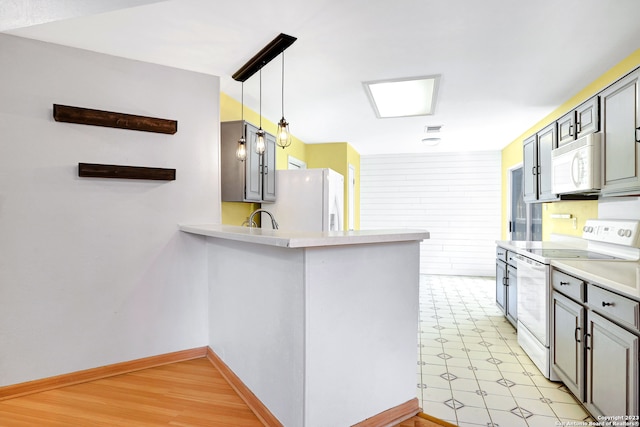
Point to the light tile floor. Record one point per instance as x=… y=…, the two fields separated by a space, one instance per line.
x=471 y=370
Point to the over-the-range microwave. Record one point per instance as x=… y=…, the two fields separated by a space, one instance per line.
x=575 y=167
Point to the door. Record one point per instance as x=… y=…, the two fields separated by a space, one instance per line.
x=612 y=368
x=587 y=117
x=567 y=358
x=566 y=132
x=269 y=169
x=546 y=143
x=619 y=122
x=525 y=219
x=501 y=284
x=253 y=167
x=512 y=295
x=530 y=173
x=351 y=188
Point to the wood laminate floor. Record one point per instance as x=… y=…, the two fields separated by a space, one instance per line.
x=191 y=393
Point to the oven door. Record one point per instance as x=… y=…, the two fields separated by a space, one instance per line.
x=533 y=298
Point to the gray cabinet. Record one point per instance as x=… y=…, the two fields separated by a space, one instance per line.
x=620 y=129
x=567 y=356
x=507 y=285
x=251 y=180
x=537 y=165
x=596 y=345
x=579 y=122
x=612 y=366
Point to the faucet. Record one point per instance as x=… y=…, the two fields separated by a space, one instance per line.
x=252 y=223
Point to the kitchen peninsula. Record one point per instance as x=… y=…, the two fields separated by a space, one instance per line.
x=320 y=326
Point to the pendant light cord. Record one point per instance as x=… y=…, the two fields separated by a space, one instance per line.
x=260 y=98
x=283 y=83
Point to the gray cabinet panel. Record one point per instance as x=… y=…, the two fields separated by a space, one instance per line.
x=566 y=128
x=501 y=281
x=512 y=295
x=619 y=122
x=251 y=180
x=530 y=169
x=546 y=143
x=588 y=117
x=612 y=366
x=567 y=358
x=537 y=165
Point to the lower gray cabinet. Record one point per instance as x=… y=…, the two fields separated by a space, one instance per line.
x=612 y=366
x=507 y=285
x=596 y=345
x=567 y=358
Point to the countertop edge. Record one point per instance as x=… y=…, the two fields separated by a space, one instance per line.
x=292 y=239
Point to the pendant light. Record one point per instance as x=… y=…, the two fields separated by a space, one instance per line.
x=241 y=151
x=260 y=145
x=283 y=137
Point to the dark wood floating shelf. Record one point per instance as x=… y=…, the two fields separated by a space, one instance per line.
x=87 y=116
x=92 y=170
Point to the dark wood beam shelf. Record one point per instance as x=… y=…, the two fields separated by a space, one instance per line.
x=87 y=116
x=93 y=170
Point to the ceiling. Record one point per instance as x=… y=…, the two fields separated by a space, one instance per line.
x=505 y=64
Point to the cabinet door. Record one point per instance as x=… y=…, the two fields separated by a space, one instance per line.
x=567 y=357
x=546 y=142
x=253 y=168
x=269 y=170
x=501 y=282
x=530 y=170
x=512 y=295
x=587 y=117
x=612 y=368
x=619 y=122
x=566 y=128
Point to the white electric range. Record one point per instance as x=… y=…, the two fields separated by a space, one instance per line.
x=603 y=241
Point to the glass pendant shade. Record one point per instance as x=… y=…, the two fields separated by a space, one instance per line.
x=241 y=151
x=283 y=137
x=260 y=145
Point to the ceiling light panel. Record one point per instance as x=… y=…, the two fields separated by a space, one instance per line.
x=415 y=96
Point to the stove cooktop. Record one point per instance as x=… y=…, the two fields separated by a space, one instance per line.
x=569 y=253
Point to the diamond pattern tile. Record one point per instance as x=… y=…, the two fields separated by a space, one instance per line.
x=496 y=385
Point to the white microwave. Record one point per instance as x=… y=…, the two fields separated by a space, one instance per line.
x=575 y=167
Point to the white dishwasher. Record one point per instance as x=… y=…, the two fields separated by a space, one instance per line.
x=534 y=295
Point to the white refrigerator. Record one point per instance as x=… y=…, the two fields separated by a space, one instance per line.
x=308 y=200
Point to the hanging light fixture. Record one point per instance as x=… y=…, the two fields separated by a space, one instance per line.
x=283 y=137
x=241 y=151
x=260 y=145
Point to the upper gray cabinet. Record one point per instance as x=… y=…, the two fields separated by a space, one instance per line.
x=537 y=165
x=620 y=129
x=251 y=180
x=579 y=122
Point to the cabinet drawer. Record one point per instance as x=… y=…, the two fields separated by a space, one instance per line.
x=614 y=306
x=501 y=254
x=568 y=285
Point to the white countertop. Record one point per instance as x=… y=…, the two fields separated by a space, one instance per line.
x=297 y=239
x=620 y=276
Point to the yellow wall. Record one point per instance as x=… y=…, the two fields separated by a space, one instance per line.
x=512 y=155
x=336 y=156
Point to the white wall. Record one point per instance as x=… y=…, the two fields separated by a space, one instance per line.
x=454 y=196
x=95 y=271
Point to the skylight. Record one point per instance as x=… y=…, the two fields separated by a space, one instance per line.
x=415 y=96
